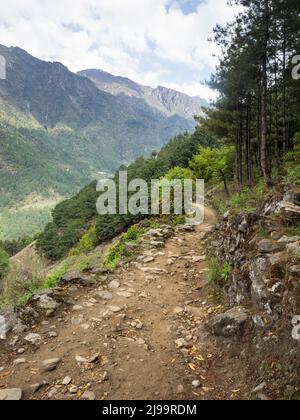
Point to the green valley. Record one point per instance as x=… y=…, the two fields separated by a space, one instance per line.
x=58 y=131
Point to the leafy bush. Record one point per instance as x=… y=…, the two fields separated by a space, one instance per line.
x=22 y=281
x=118 y=250
x=133 y=234
x=297 y=257
x=179 y=173
x=294 y=156
x=87 y=242
x=54 y=278
x=218 y=275
x=114 y=256
x=293 y=175
x=178 y=220
x=4 y=262
x=247 y=200
x=214 y=165
x=15 y=246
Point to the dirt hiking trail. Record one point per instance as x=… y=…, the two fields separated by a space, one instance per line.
x=141 y=337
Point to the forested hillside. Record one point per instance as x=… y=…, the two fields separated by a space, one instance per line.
x=73 y=217
x=58 y=131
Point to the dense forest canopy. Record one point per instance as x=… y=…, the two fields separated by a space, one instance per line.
x=259 y=106
x=73 y=217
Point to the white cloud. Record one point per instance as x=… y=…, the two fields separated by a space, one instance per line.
x=195 y=89
x=140 y=39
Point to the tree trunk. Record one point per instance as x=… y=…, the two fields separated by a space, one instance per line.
x=276 y=115
x=284 y=145
x=264 y=99
x=223 y=176
x=238 y=151
x=248 y=142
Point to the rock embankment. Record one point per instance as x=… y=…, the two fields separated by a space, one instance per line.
x=264 y=258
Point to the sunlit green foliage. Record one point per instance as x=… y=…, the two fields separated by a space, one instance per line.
x=4 y=262
x=72 y=218
x=214 y=165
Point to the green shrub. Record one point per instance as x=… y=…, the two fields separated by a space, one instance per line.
x=293 y=175
x=178 y=220
x=118 y=250
x=297 y=257
x=22 y=281
x=15 y=246
x=247 y=200
x=4 y=263
x=24 y=299
x=293 y=231
x=86 y=244
x=53 y=279
x=133 y=234
x=89 y=240
x=218 y=275
x=113 y=257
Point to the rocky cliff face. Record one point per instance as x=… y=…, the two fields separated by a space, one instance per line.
x=167 y=101
x=264 y=259
x=263 y=292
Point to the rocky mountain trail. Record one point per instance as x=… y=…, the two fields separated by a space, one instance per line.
x=136 y=333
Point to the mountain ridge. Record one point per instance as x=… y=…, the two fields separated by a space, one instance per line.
x=168 y=101
x=58 y=131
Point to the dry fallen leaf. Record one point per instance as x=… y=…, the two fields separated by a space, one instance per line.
x=193 y=350
x=192 y=366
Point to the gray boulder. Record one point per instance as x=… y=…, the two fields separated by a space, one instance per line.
x=14 y=394
x=229 y=323
x=34 y=339
x=47 y=303
x=267 y=246
x=9 y=321
x=290 y=212
x=289 y=239
x=76 y=277
x=295 y=270
x=50 y=364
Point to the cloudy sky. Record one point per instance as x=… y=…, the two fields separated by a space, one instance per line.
x=154 y=42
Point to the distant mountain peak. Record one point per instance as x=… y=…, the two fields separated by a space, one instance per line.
x=168 y=101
